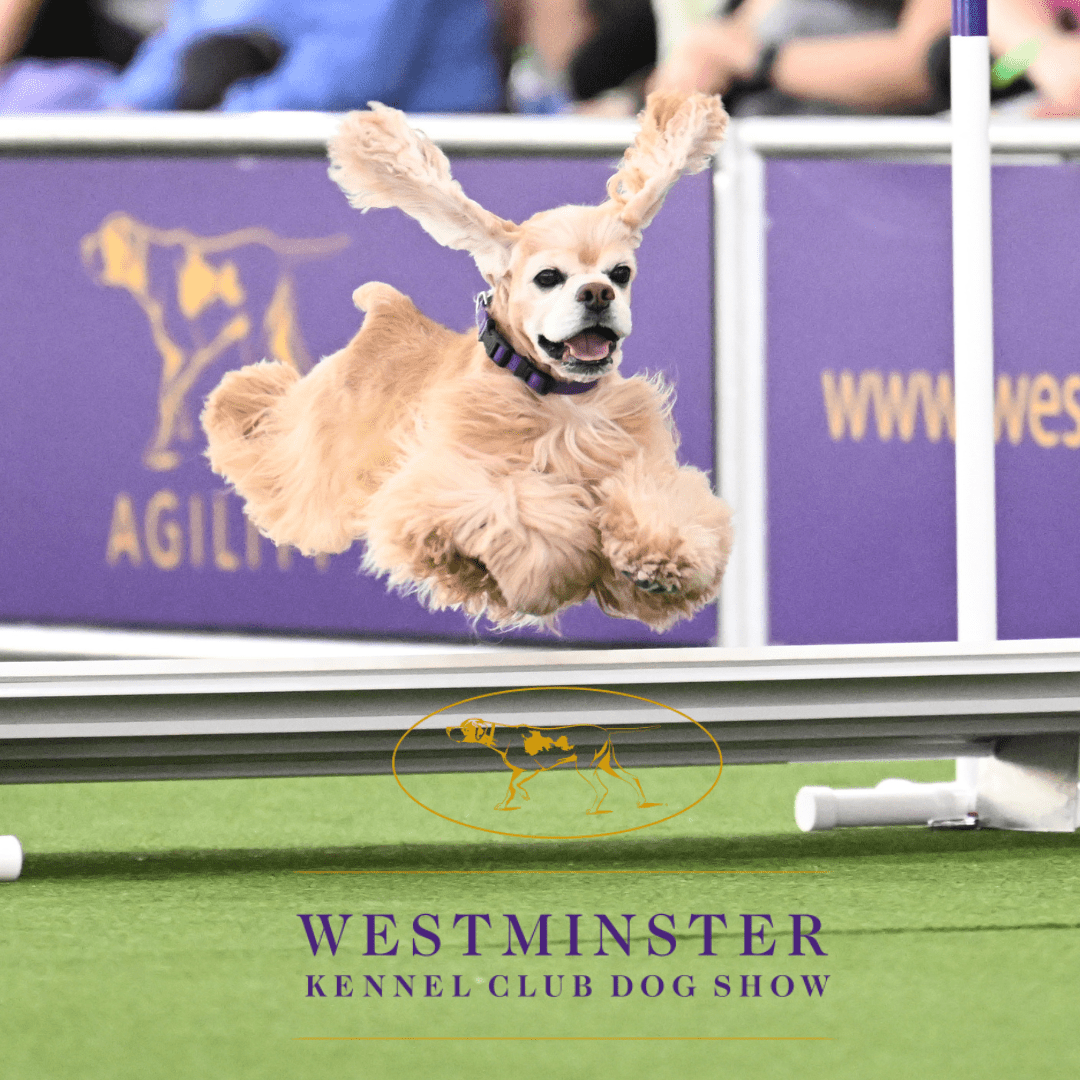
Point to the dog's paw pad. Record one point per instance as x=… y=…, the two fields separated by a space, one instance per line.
x=650 y=585
x=655 y=575
x=437 y=545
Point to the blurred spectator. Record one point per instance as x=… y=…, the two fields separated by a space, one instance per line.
x=540 y=37
x=109 y=30
x=417 y=55
x=795 y=56
x=570 y=51
x=1045 y=36
x=66 y=51
x=242 y=55
x=861 y=56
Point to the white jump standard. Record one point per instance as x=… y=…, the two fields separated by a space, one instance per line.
x=1030 y=782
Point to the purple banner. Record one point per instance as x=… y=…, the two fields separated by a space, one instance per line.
x=131 y=285
x=861 y=500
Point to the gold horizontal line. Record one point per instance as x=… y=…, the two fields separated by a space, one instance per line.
x=562 y=871
x=562 y=1038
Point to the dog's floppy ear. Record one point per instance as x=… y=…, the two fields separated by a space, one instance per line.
x=679 y=133
x=379 y=161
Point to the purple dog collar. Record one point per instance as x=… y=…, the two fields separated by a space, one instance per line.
x=503 y=355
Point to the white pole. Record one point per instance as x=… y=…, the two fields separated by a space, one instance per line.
x=973 y=327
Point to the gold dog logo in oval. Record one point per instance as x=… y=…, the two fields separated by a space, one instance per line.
x=554 y=763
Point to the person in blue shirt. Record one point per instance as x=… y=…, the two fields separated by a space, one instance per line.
x=245 y=55
x=417 y=55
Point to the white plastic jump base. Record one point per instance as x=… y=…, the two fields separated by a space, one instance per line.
x=11 y=858
x=1031 y=783
x=892 y=802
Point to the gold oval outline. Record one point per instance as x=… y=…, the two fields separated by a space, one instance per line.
x=534 y=836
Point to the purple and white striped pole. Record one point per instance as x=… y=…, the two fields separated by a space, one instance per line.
x=973 y=326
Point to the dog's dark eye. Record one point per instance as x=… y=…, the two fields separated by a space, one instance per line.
x=548 y=279
x=620 y=275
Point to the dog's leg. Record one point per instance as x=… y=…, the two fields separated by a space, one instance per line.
x=537 y=539
x=521 y=783
x=518 y=545
x=305 y=453
x=610 y=764
x=666 y=539
x=601 y=796
x=513 y=789
x=237 y=411
x=597 y=794
x=240 y=402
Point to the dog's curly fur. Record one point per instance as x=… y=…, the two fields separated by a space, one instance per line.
x=466 y=486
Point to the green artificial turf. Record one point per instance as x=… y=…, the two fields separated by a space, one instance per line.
x=154 y=933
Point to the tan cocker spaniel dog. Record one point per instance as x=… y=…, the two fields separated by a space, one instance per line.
x=510 y=476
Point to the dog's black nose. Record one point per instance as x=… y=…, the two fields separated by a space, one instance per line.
x=596 y=296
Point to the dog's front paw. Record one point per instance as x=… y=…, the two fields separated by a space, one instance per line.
x=666 y=533
x=443 y=559
x=655 y=582
x=438 y=548
x=658 y=572
x=654 y=576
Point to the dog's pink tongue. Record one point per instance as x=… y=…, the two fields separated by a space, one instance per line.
x=588 y=345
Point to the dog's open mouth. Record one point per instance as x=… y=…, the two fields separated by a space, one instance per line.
x=592 y=346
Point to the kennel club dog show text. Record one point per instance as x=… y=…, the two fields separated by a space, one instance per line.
x=378 y=938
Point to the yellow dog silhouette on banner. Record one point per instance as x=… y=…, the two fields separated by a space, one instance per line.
x=202 y=292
